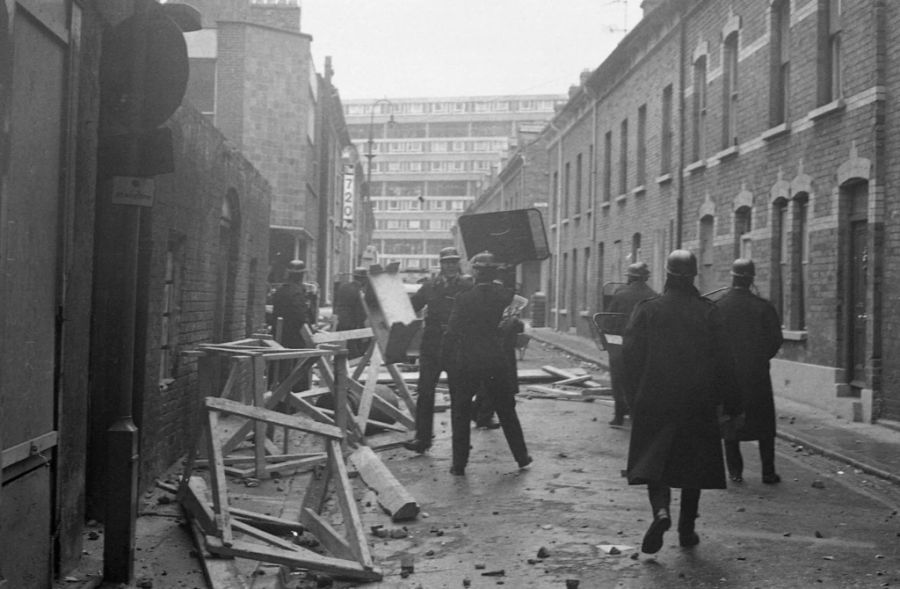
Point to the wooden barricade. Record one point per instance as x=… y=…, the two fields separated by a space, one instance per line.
x=217 y=521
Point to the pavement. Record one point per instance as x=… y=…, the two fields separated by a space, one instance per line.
x=873 y=448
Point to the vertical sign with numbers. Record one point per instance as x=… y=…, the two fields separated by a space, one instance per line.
x=347 y=209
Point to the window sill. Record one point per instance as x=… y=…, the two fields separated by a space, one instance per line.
x=776 y=131
x=696 y=166
x=605 y=205
x=563 y=311
x=621 y=198
x=639 y=190
x=827 y=109
x=793 y=335
x=565 y=222
x=664 y=178
x=727 y=153
x=584 y=313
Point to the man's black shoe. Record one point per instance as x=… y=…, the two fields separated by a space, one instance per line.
x=458 y=471
x=489 y=424
x=617 y=422
x=653 y=539
x=526 y=463
x=688 y=539
x=771 y=479
x=416 y=446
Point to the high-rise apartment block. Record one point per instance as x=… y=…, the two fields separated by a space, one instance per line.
x=429 y=159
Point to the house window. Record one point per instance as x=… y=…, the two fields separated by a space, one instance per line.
x=578 y=171
x=698 y=118
x=586 y=282
x=590 y=186
x=780 y=260
x=800 y=261
x=607 y=167
x=201 y=87
x=780 y=62
x=829 y=51
x=730 y=91
x=641 y=170
x=666 y=134
x=567 y=185
x=623 y=158
x=742 y=227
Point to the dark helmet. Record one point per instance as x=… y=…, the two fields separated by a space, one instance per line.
x=296 y=267
x=743 y=267
x=484 y=260
x=681 y=263
x=360 y=272
x=638 y=270
x=449 y=253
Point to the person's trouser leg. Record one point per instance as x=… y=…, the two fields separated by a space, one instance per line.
x=767 y=455
x=660 y=497
x=460 y=412
x=617 y=382
x=429 y=372
x=733 y=459
x=690 y=504
x=505 y=405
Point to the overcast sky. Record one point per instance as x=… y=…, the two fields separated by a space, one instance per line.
x=427 y=48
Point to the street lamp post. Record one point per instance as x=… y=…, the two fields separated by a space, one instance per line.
x=370 y=145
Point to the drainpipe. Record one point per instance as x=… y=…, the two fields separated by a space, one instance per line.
x=878 y=217
x=679 y=202
x=556 y=271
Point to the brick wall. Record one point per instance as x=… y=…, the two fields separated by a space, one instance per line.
x=186 y=218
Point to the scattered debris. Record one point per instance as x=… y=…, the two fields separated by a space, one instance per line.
x=614 y=549
x=817 y=484
x=543 y=552
x=497 y=573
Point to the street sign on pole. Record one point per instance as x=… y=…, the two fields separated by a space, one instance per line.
x=349 y=201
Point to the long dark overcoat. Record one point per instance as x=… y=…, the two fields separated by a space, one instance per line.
x=291 y=302
x=753 y=331
x=678 y=372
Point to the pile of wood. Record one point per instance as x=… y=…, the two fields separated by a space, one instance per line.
x=572 y=385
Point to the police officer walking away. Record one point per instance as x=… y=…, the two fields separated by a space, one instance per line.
x=678 y=372
x=475 y=334
x=437 y=296
x=351 y=313
x=291 y=302
x=754 y=337
x=623 y=301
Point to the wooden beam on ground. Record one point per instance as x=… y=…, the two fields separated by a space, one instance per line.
x=392 y=496
x=325 y=533
x=573 y=381
x=327 y=337
x=568 y=374
x=220 y=572
x=353 y=530
x=302 y=558
x=217 y=480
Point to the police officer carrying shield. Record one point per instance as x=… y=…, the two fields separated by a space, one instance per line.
x=623 y=301
x=437 y=296
x=477 y=338
x=679 y=372
x=754 y=337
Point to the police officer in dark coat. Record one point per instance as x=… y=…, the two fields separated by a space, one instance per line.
x=291 y=302
x=351 y=313
x=477 y=339
x=437 y=296
x=623 y=301
x=678 y=372
x=754 y=337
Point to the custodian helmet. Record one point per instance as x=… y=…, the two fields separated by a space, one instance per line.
x=681 y=263
x=484 y=260
x=743 y=267
x=296 y=267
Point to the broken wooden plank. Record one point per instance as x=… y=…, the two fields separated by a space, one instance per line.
x=302 y=558
x=325 y=533
x=217 y=480
x=298 y=422
x=538 y=391
x=343 y=490
x=220 y=572
x=326 y=337
x=392 y=496
x=568 y=374
x=573 y=381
